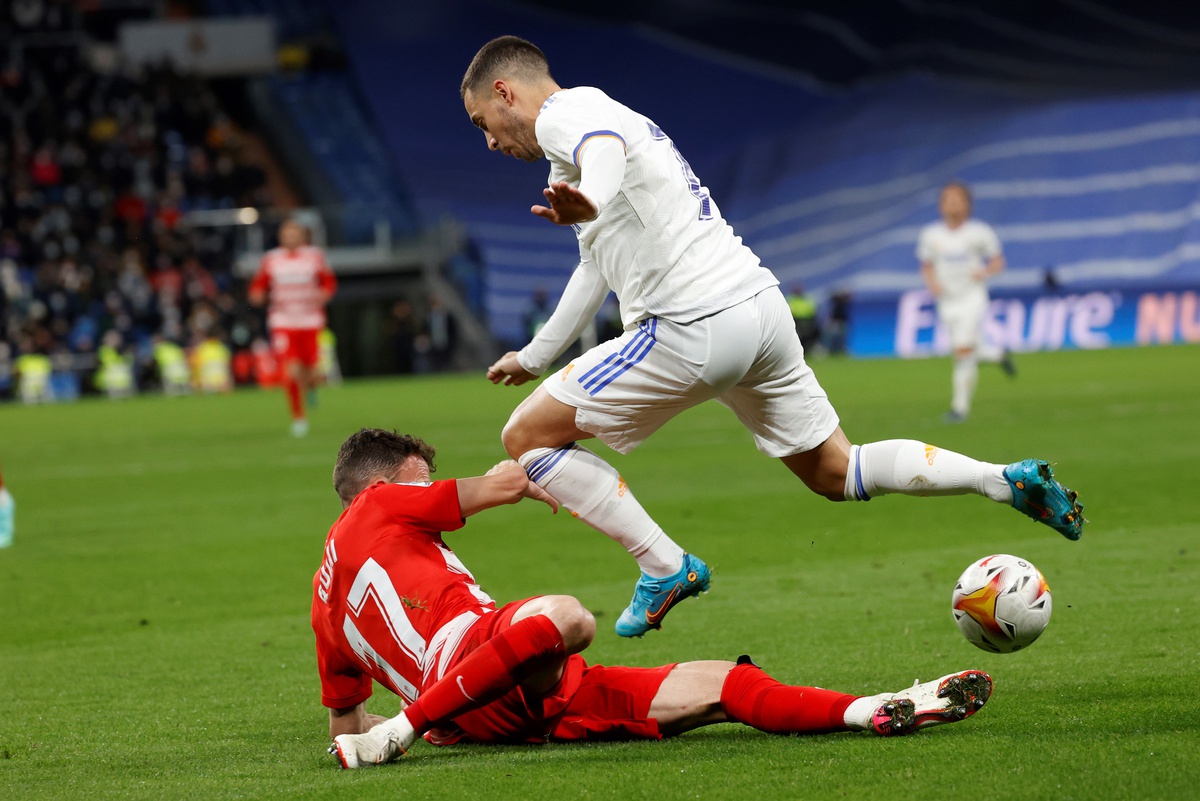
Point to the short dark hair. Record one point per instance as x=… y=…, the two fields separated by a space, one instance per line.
x=509 y=56
x=374 y=452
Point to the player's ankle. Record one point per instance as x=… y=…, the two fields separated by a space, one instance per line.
x=400 y=729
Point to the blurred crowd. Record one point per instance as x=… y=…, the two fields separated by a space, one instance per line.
x=96 y=173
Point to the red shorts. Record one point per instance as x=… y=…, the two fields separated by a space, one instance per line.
x=588 y=703
x=296 y=345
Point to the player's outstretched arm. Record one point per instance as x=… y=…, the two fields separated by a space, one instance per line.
x=581 y=299
x=602 y=167
x=505 y=483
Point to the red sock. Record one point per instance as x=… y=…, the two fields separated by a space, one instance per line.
x=752 y=697
x=496 y=667
x=295 y=400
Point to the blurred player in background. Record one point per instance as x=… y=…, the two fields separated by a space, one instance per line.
x=958 y=255
x=703 y=319
x=299 y=282
x=7 y=515
x=392 y=603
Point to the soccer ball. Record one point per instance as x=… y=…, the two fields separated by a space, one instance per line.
x=1001 y=603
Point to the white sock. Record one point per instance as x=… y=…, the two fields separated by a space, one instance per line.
x=858 y=715
x=402 y=730
x=966 y=376
x=909 y=467
x=594 y=492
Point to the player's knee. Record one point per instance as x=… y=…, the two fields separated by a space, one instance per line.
x=575 y=623
x=514 y=438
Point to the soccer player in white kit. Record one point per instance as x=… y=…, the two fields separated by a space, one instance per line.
x=958 y=255
x=703 y=320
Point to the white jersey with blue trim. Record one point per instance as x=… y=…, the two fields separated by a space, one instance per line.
x=661 y=243
x=956 y=254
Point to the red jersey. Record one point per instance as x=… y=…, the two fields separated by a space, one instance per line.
x=299 y=281
x=391 y=602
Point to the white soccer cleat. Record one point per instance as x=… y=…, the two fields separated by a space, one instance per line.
x=945 y=700
x=377 y=746
x=300 y=428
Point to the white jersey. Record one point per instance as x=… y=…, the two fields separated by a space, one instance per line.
x=661 y=243
x=956 y=254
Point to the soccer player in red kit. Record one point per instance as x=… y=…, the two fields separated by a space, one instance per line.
x=392 y=603
x=300 y=283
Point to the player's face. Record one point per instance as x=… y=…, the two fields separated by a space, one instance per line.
x=503 y=128
x=954 y=205
x=291 y=235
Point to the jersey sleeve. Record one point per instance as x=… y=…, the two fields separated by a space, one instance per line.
x=584 y=295
x=432 y=507
x=262 y=279
x=342 y=686
x=565 y=127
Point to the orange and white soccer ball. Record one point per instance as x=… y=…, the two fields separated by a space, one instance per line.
x=1001 y=603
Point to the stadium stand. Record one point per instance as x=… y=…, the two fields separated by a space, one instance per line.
x=323 y=107
x=101 y=167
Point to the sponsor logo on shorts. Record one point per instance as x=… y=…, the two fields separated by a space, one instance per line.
x=931 y=452
x=567 y=370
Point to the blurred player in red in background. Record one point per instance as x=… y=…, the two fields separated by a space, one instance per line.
x=392 y=603
x=300 y=283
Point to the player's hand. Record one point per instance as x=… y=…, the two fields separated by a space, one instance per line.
x=531 y=490
x=536 y=493
x=980 y=274
x=508 y=370
x=567 y=205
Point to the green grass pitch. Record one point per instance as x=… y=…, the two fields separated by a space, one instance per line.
x=154 y=638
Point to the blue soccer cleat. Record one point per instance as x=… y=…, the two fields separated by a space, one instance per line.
x=1037 y=494
x=6 y=518
x=654 y=597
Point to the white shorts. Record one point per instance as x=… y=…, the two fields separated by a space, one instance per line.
x=748 y=357
x=963 y=319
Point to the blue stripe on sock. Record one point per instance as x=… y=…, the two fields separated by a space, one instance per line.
x=862 y=491
x=543 y=465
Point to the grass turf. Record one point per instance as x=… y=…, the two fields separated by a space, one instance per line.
x=154 y=638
